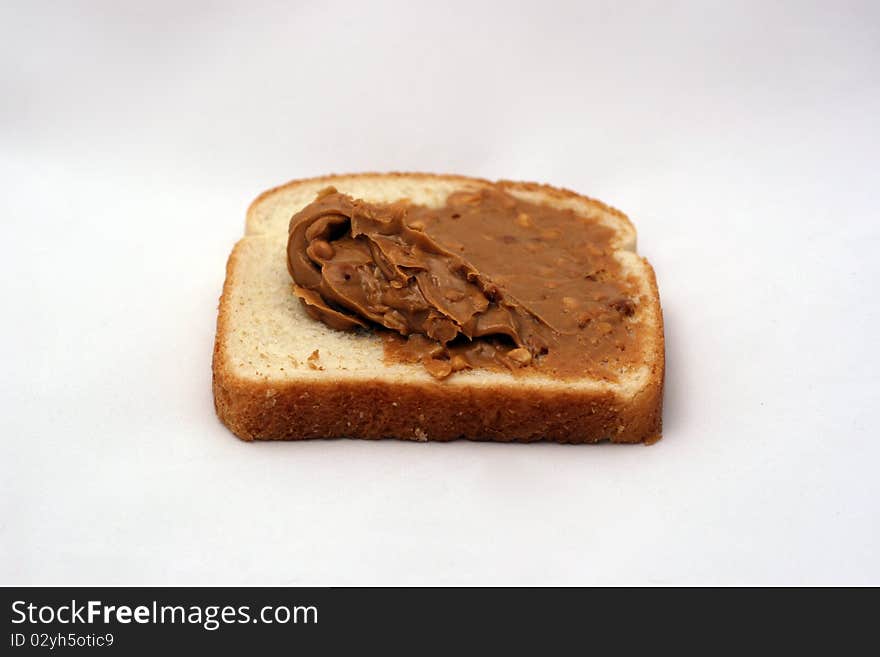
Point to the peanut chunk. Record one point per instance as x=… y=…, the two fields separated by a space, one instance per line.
x=459 y=363
x=524 y=220
x=321 y=250
x=520 y=355
x=439 y=369
x=624 y=306
x=313 y=360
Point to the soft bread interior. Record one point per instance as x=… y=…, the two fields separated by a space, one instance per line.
x=268 y=336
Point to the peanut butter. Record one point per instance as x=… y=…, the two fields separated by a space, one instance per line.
x=486 y=281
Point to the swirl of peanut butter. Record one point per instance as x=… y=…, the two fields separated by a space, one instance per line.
x=404 y=267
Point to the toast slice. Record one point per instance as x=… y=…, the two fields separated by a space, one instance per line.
x=279 y=374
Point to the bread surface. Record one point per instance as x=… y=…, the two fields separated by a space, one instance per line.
x=279 y=374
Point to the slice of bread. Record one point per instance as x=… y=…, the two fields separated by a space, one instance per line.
x=281 y=375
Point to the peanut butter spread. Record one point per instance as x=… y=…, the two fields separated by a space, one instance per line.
x=486 y=281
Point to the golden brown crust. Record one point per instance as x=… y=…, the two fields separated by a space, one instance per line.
x=556 y=192
x=329 y=178
x=290 y=410
x=300 y=410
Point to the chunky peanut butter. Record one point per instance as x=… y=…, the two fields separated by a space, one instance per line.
x=486 y=281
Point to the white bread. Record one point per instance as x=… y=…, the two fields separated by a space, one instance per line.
x=279 y=374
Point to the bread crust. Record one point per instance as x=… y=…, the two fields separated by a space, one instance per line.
x=559 y=193
x=295 y=409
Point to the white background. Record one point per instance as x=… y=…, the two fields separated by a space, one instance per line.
x=742 y=138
